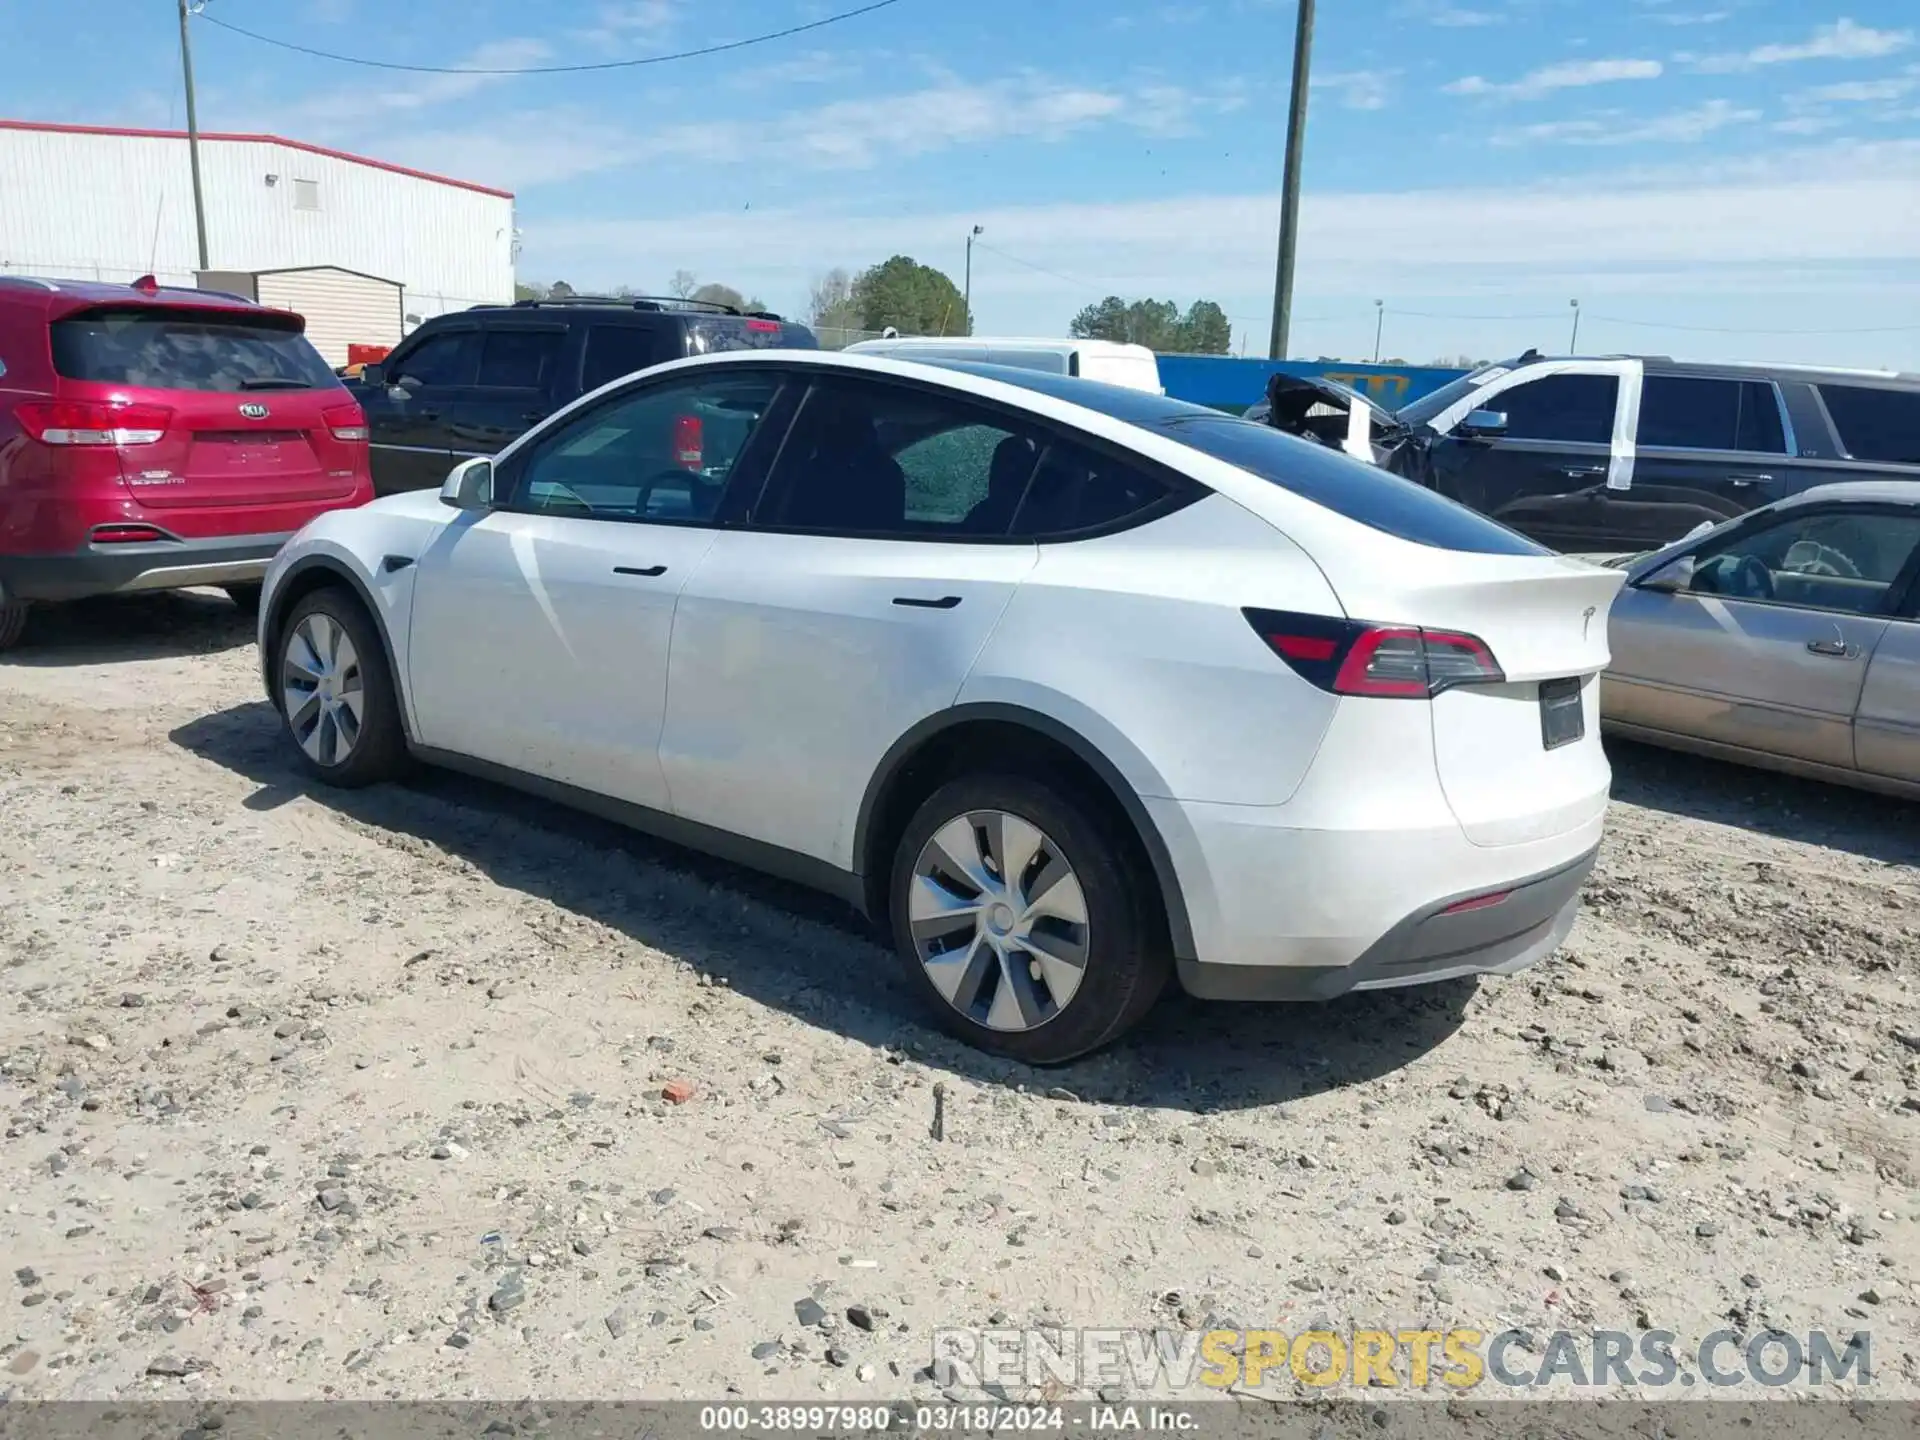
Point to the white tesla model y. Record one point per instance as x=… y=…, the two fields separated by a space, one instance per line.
x=1070 y=688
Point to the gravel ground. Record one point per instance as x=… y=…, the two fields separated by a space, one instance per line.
x=432 y=1091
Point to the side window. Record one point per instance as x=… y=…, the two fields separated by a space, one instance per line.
x=616 y=350
x=1695 y=413
x=663 y=453
x=1843 y=561
x=1077 y=488
x=868 y=459
x=1576 y=409
x=519 y=359
x=1876 y=424
x=450 y=358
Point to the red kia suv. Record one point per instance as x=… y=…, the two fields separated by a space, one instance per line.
x=153 y=438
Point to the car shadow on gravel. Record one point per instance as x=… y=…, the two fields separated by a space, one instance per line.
x=790 y=948
x=1813 y=812
x=111 y=629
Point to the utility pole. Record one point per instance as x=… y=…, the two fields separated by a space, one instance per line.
x=1379 y=324
x=967 y=295
x=1573 y=345
x=193 y=138
x=1290 y=183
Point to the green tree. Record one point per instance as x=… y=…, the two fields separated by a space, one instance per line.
x=1206 y=329
x=714 y=294
x=529 y=290
x=914 y=299
x=1157 y=324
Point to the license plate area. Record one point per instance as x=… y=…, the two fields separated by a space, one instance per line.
x=1563 y=717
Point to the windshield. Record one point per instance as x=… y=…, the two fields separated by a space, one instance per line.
x=156 y=348
x=1422 y=411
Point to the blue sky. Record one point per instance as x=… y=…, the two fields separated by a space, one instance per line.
x=1693 y=171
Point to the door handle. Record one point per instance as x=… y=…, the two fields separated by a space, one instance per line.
x=1838 y=649
x=1745 y=480
x=1588 y=472
x=427 y=415
x=647 y=571
x=921 y=602
x=533 y=416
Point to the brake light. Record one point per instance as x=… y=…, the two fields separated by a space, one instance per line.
x=90 y=422
x=1477 y=902
x=125 y=534
x=763 y=327
x=347 y=422
x=688 y=443
x=1355 y=657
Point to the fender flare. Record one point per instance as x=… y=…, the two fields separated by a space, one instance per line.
x=1173 y=901
x=274 y=617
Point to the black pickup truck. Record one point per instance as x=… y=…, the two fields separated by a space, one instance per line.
x=473 y=381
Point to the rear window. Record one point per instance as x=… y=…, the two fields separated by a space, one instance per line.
x=167 y=349
x=616 y=350
x=1876 y=424
x=1359 y=491
x=1347 y=486
x=710 y=334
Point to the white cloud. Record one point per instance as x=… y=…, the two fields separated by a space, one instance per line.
x=521 y=150
x=1568 y=75
x=343 y=114
x=1359 y=89
x=1727 y=226
x=1848 y=92
x=1690 y=17
x=1454 y=17
x=1679 y=127
x=631 y=20
x=1842 y=40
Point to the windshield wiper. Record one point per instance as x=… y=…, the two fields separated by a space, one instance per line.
x=274 y=382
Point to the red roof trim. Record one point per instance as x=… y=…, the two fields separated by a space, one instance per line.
x=311 y=149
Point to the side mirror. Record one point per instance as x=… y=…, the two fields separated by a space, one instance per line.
x=1483 y=425
x=469 y=485
x=1673 y=578
x=373 y=375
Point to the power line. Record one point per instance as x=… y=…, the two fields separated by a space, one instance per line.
x=1742 y=330
x=791 y=30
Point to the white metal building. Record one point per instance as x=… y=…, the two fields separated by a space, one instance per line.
x=93 y=203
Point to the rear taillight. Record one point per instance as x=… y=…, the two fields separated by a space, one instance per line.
x=1354 y=657
x=688 y=444
x=763 y=327
x=347 y=422
x=90 y=422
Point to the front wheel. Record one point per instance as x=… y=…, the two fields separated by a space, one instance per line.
x=1021 y=918
x=336 y=692
x=13 y=622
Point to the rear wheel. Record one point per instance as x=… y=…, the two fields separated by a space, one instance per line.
x=13 y=622
x=336 y=693
x=1020 y=917
x=246 y=596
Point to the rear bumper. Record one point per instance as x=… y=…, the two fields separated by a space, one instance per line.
x=1284 y=911
x=157 y=565
x=1427 y=946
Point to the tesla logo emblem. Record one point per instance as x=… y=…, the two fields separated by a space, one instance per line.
x=1586 y=620
x=254 y=411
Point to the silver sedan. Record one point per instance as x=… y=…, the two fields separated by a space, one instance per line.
x=1789 y=639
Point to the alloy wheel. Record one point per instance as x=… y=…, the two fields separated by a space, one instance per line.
x=323 y=691
x=999 y=920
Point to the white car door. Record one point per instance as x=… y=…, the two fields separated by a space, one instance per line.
x=851 y=607
x=540 y=627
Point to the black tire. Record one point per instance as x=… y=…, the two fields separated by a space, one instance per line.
x=379 y=751
x=245 y=595
x=13 y=622
x=1128 y=962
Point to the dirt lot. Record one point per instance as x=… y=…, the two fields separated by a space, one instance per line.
x=362 y=1095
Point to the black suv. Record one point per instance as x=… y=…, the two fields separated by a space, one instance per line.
x=473 y=381
x=1631 y=452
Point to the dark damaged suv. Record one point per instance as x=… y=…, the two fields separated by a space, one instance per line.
x=1629 y=453
x=471 y=382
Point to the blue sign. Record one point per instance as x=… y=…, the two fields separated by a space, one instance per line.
x=1226 y=382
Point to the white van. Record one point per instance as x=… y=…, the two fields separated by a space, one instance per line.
x=1108 y=361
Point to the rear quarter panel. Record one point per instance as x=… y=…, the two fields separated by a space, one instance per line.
x=1137 y=642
